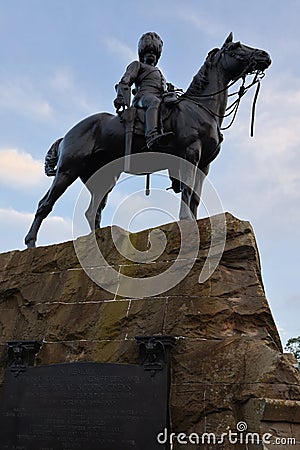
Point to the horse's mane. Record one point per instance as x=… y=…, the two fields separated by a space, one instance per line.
x=200 y=80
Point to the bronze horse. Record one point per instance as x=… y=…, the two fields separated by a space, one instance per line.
x=195 y=121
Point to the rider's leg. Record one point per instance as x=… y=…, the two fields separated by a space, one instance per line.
x=151 y=103
x=151 y=131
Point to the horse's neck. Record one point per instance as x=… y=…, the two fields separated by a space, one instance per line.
x=210 y=90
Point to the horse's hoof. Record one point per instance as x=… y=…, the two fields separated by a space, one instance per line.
x=30 y=243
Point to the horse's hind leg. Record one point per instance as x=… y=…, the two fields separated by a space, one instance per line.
x=60 y=183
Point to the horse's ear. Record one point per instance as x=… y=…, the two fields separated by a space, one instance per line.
x=213 y=52
x=228 y=39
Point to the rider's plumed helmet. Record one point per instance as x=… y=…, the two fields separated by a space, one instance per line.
x=150 y=41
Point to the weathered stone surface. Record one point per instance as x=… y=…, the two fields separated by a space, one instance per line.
x=228 y=363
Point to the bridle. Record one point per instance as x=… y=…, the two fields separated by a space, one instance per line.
x=232 y=109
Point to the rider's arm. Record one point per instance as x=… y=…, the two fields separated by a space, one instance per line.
x=126 y=81
x=131 y=73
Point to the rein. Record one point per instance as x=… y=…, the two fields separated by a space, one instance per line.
x=233 y=108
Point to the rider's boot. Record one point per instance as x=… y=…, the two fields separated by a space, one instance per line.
x=153 y=137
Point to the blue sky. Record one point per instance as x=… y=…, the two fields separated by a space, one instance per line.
x=60 y=61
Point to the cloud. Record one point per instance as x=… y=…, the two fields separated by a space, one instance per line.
x=274 y=151
x=120 y=49
x=62 y=79
x=15 y=224
x=23 y=97
x=202 y=22
x=50 y=99
x=20 y=170
x=11 y=216
x=66 y=91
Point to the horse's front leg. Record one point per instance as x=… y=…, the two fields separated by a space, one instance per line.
x=196 y=194
x=94 y=212
x=188 y=174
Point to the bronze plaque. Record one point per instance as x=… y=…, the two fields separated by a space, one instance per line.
x=81 y=406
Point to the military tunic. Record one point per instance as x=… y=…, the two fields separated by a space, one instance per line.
x=148 y=80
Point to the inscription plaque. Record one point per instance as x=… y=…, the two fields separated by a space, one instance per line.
x=78 y=406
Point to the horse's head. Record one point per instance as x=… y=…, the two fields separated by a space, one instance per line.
x=239 y=59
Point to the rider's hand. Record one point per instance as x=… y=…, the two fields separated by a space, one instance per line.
x=119 y=103
x=170 y=87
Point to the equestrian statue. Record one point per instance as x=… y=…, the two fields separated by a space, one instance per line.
x=160 y=119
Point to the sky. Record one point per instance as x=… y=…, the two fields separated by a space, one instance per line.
x=60 y=60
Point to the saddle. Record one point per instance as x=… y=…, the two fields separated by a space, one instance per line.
x=134 y=117
x=134 y=122
x=168 y=101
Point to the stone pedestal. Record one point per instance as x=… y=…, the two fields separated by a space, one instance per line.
x=227 y=367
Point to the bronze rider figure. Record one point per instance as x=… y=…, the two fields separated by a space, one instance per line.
x=150 y=85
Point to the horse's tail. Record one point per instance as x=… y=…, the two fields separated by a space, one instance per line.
x=52 y=158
